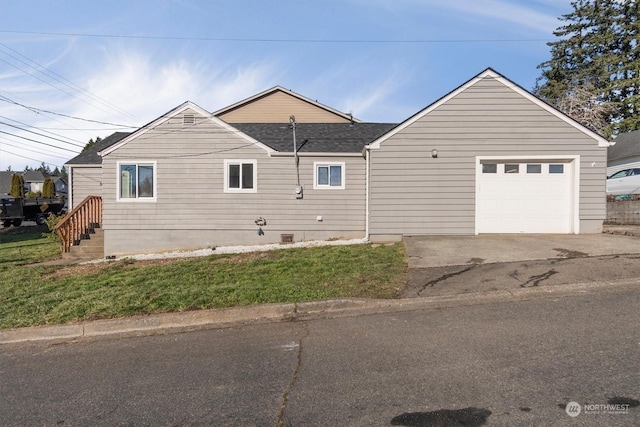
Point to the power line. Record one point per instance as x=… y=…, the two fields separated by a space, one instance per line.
x=30 y=158
x=39 y=134
x=4 y=142
x=49 y=116
x=54 y=86
x=273 y=40
x=40 y=110
x=64 y=81
x=38 y=142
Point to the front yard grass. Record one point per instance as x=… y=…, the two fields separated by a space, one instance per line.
x=58 y=294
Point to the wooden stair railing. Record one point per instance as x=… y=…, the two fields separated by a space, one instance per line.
x=80 y=221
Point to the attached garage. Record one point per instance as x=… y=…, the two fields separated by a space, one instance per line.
x=525 y=196
x=489 y=157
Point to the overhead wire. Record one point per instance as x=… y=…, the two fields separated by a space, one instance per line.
x=31 y=158
x=39 y=134
x=50 y=84
x=55 y=76
x=40 y=110
x=275 y=40
x=38 y=142
x=4 y=140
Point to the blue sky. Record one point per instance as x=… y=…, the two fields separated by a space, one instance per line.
x=128 y=62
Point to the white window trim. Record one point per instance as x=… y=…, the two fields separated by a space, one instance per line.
x=155 y=181
x=228 y=162
x=328 y=187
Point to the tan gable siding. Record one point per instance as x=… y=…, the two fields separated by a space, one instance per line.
x=277 y=108
x=86 y=181
x=412 y=193
x=193 y=211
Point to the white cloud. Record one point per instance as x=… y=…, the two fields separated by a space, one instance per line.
x=124 y=79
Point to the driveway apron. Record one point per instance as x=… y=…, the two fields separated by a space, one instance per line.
x=447 y=265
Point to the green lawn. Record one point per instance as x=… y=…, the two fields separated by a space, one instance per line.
x=58 y=294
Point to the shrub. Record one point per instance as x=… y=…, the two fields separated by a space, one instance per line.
x=17 y=185
x=51 y=221
x=48 y=188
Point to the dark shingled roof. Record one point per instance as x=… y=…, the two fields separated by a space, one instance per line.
x=90 y=156
x=316 y=137
x=626 y=145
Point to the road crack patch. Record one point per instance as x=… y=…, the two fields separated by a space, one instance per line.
x=294 y=380
x=535 y=280
x=430 y=283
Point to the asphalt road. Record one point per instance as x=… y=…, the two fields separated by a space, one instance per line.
x=515 y=363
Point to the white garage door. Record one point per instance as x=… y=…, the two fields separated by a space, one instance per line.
x=524 y=197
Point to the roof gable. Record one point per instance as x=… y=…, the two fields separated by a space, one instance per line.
x=491 y=74
x=188 y=105
x=625 y=145
x=276 y=105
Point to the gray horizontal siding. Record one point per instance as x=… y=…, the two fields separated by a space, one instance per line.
x=85 y=181
x=190 y=191
x=412 y=193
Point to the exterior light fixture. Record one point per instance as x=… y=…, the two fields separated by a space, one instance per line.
x=434 y=153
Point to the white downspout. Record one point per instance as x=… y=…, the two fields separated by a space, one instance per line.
x=367 y=158
x=70 y=188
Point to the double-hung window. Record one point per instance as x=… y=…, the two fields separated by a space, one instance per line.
x=328 y=175
x=240 y=176
x=136 y=181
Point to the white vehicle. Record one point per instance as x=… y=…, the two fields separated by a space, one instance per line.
x=626 y=181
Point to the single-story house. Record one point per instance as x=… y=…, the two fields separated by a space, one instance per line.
x=489 y=157
x=624 y=153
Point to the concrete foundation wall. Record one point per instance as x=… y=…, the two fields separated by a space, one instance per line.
x=118 y=242
x=591 y=226
x=625 y=212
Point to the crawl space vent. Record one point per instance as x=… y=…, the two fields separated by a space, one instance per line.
x=286 y=238
x=189 y=119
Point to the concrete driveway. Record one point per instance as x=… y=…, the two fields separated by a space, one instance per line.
x=439 y=251
x=447 y=265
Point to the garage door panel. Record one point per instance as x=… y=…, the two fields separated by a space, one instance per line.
x=524 y=202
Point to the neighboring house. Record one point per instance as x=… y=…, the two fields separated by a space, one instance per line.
x=5 y=182
x=33 y=181
x=488 y=157
x=61 y=186
x=624 y=153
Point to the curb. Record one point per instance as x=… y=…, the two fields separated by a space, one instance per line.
x=324 y=309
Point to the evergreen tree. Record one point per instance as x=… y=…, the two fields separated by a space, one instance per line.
x=48 y=188
x=17 y=185
x=91 y=143
x=597 y=53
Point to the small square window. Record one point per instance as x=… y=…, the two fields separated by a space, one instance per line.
x=511 y=168
x=240 y=176
x=136 y=181
x=556 y=168
x=534 y=168
x=329 y=175
x=489 y=168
